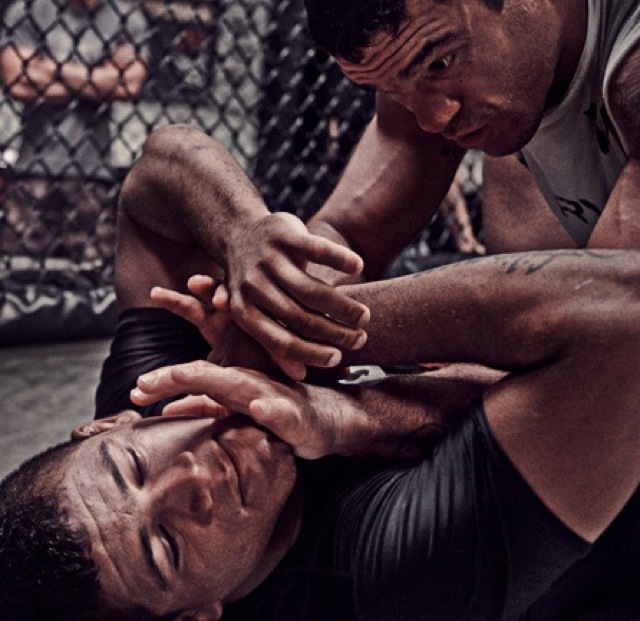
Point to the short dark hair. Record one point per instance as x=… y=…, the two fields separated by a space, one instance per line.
x=46 y=569
x=343 y=28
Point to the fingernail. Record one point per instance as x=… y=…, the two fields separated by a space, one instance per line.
x=265 y=406
x=334 y=359
x=150 y=379
x=361 y=340
x=364 y=318
x=136 y=393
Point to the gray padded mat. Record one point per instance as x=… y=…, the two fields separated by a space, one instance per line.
x=45 y=390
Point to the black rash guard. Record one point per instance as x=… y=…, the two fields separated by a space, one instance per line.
x=145 y=339
x=456 y=536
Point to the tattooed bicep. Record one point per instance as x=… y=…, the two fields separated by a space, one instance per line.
x=625 y=98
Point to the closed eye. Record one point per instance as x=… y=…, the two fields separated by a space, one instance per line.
x=138 y=466
x=173 y=546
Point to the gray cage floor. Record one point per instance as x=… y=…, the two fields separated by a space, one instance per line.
x=45 y=390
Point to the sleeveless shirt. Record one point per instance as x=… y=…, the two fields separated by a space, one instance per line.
x=579 y=149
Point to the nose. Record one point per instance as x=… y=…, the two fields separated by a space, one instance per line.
x=184 y=490
x=435 y=112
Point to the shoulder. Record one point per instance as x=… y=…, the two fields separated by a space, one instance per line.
x=625 y=97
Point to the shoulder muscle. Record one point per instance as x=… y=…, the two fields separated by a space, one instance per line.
x=625 y=98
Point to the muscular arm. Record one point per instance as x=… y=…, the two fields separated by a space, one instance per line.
x=30 y=76
x=444 y=314
x=187 y=189
x=391 y=187
x=190 y=194
x=619 y=226
x=565 y=324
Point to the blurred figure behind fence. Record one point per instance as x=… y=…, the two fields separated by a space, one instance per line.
x=65 y=62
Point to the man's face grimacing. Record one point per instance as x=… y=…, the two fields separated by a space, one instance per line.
x=180 y=511
x=477 y=75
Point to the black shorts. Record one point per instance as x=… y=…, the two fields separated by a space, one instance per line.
x=145 y=339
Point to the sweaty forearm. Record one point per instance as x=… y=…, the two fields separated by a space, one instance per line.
x=187 y=188
x=400 y=416
x=507 y=312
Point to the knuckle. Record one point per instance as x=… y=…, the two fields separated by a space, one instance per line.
x=188 y=371
x=346 y=338
x=307 y=323
x=283 y=346
x=199 y=366
x=249 y=289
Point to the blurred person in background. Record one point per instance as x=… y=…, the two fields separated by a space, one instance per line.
x=66 y=62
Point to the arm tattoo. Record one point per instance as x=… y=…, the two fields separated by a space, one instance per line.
x=531 y=262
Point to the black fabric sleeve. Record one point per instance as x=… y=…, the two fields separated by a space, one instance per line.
x=145 y=339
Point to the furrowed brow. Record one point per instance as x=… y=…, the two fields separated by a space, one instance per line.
x=109 y=463
x=147 y=551
x=427 y=50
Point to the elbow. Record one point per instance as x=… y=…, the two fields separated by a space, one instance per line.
x=160 y=147
x=164 y=141
x=175 y=142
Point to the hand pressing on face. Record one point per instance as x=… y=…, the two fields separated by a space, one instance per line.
x=309 y=418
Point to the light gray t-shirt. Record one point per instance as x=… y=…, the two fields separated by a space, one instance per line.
x=71 y=139
x=579 y=150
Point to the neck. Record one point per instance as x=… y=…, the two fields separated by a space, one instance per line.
x=574 y=21
x=285 y=534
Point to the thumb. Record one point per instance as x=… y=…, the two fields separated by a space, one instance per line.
x=220 y=299
x=278 y=415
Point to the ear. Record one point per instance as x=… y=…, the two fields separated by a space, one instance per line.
x=94 y=427
x=212 y=613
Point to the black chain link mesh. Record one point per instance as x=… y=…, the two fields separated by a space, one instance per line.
x=243 y=71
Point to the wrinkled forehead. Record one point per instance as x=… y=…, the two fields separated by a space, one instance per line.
x=83 y=474
x=388 y=54
x=96 y=504
x=382 y=58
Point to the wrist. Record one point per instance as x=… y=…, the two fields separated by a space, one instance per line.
x=240 y=230
x=346 y=427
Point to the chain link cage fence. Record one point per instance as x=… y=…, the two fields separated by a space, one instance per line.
x=245 y=72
